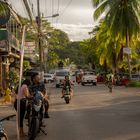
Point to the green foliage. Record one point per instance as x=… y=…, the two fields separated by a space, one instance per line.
x=120 y=22
x=13 y=77
x=4 y=13
x=134 y=84
x=72 y=52
x=53 y=60
x=57 y=40
x=26 y=65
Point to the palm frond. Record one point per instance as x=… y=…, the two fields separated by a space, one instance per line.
x=100 y=9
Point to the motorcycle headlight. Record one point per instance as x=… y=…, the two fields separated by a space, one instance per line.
x=37 y=106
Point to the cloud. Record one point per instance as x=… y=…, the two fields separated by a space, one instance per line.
x=76 y=32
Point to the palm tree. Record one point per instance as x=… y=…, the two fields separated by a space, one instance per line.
x=4 y=13
x=121 y=17
x=108 y=48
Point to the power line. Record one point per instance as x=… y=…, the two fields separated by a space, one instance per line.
x=46 y=12
x=58 y=8
x=32 y=7
x=69 y=3
x=52 y=9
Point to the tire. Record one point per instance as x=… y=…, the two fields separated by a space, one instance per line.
x=67 y=100
x=33 y=128
x=82 y=84
x=3 y=136
x=94 y=84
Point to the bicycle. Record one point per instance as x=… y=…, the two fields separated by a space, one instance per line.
x=3 y=135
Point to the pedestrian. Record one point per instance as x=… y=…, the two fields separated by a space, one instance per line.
x=21 y=96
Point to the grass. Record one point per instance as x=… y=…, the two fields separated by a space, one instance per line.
x=134 y=84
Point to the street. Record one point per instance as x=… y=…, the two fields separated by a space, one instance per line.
x=93 y=114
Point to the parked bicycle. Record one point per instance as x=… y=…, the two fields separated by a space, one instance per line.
x=3 y=135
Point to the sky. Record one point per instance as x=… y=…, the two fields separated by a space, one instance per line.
x=75 y=16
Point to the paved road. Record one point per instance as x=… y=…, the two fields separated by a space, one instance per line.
x=93 y=114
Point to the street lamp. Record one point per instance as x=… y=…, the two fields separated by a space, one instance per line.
x=53 y=16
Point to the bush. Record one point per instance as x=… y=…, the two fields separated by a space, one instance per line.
x=134 y=84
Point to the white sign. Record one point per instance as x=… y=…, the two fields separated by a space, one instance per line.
x=127 y=50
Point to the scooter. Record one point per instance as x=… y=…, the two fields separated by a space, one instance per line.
x=67 y=96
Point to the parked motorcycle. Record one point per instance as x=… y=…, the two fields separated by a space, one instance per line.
x=35 y=116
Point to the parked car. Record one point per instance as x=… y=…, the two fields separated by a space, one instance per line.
x=60 y=76
x=49 y=78
x=101 y=77
x=89 y=78
x=135 y=77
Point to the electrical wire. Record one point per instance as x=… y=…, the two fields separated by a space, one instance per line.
x=16 y=9
x=58 y=8
x=52 y=10
x=46 y=12
x=66 y=7
x=25 y=11
x=32 y=8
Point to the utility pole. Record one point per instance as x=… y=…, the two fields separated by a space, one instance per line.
x=38 y=19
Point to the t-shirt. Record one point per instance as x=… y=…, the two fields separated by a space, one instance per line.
x=37 y=87
x=110 y=76
x=21 y=94
x=67 y=83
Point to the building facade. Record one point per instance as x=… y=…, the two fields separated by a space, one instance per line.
x=10 y=38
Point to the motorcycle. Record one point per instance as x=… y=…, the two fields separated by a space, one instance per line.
x=35 y=116
x=67 y=96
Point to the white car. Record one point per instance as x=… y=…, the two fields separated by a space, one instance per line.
x=60 y=77
x=49 y=78
x=89 y=78
x=135 y=77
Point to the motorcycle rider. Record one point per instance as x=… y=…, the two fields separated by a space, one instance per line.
x=67 y=82
x=40 y=86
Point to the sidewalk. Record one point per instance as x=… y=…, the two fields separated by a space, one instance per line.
x=9 y=126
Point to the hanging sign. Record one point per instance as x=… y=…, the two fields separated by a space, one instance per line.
x=126 y=50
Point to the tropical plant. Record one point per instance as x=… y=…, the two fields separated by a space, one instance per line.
x=13 y=77
x=4 y=13
x=26 y=65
